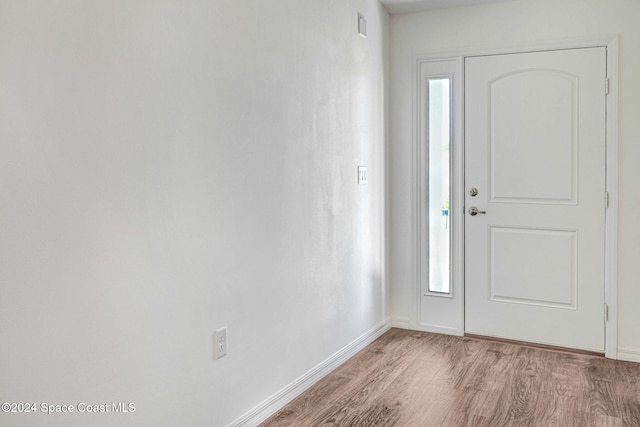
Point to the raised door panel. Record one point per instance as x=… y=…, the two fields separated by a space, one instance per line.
x=533 y=137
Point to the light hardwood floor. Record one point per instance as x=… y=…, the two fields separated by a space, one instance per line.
x=408 y=378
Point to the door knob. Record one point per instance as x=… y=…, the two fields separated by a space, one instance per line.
x=473 y=211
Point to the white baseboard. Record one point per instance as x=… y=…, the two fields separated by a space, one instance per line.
x=293 y=390
x=400 y=322
x=445 y=330
x=629 y=354
x=403 y=323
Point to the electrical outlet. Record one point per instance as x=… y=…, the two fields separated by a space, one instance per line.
x=220 y=343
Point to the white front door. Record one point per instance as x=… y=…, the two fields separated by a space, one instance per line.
x=535 y=152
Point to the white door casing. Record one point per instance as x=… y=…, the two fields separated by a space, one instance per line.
x=535 y=150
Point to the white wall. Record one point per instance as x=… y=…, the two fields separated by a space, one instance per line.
x=171 y=167
x=509 y=24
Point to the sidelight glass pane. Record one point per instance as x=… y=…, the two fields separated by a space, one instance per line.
x=439 y=124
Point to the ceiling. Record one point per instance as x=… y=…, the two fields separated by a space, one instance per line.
x=408 y=6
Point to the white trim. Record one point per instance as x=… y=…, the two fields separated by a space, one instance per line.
x=606 y=40
x=437 y=329
x=460 y=191
x=274 y=403
x=425 y=74
x=610 y=42
x=415 y=196
x=629 y=354
x=386 y=198
x=401 y=322
x=611 y=244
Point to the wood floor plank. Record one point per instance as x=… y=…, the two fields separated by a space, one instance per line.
x=409 y=378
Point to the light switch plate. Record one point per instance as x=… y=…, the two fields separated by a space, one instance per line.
x=362 y=175
x=362 y=25
x=220 y=342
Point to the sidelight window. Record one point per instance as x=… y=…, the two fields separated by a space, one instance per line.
x=439 y=185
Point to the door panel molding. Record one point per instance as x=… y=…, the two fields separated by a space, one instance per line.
x=543 y=289
x=563 y=87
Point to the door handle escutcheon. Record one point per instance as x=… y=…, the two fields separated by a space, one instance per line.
x=473 y=211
